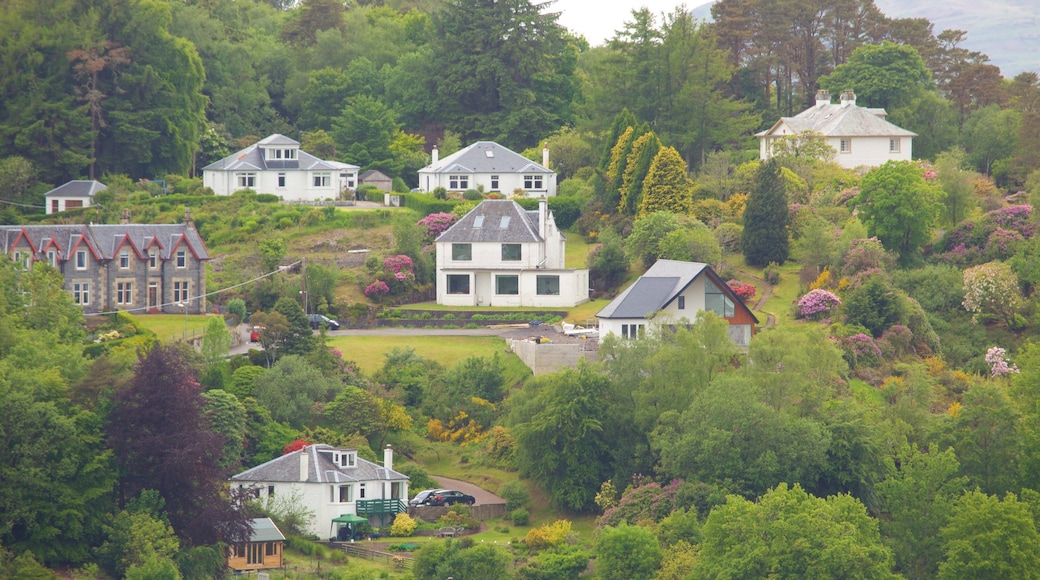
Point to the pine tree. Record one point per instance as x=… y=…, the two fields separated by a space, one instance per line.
x=644 y=150
x=667 y=187
x=765 y=218
x=622 y=121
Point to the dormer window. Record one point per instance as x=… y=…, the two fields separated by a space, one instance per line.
x=124 y=259
x=348 y=459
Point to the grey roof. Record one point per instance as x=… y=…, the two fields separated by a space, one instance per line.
x=252 y=159
x=374 y=175
x=320 y=468
x=842 y=120
x=105 y=240
x=495 y=220
x=265 y=530
x=485 y=157
x=654 y=289
x=77 y=188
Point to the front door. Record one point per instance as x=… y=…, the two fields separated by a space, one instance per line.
x=153 y=296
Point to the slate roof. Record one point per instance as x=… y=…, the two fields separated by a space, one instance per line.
x=842 y=120
x=105 y=240
x=485 y=157
x=252 y=159
x=495 y=220
x=373 y=175
x=654 y=289
x=265 y=530
x=77 y=188
x=320 y=468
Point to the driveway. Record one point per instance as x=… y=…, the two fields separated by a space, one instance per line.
x=480 y=494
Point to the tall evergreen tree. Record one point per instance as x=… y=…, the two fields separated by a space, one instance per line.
x=667 y=187
x=622 y=121
x=765 y=237
x=644 y=151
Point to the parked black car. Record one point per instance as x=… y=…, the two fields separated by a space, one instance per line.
x=421 y=497
x=317 y=320
x=449 y=497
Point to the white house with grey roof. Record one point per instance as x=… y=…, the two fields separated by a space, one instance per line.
x=861 y=136
x=277 y=165
x=331 y=482
x=489 y=166
x=671 y=291
x=500 y=254
x=72 y=195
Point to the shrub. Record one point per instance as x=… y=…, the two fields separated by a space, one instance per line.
x=817 y=303
x=744 y=291
x=772 y=273
x=440 y=192
x=459 y=515
x=728 y=237
x=472 y=195
x=549 y=535
x=520 y=517
x=403 y=526
x=515 y=494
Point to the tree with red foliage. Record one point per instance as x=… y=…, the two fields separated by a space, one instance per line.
x=295 y=446
x=163 y=441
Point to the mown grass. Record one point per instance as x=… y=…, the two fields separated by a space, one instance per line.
x=369 y=352
x=170 y=327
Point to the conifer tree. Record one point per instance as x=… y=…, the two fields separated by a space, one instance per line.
x=622 y=121
x=765 y=218
x=667 y=187
x=644 y=150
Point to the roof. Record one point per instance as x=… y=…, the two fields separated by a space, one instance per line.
x=320 y=468
x=654 y=289
x=77 y=188
x=485 y=157
x=374 y=175
x=842 y=120
x=106 y=239
x=265 y=530
x=495 y=220
x=252 y=159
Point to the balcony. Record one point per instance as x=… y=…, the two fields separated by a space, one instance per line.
x=371 y=507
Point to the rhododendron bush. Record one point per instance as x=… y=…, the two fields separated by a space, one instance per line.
x=991 y=289
x=817 y=303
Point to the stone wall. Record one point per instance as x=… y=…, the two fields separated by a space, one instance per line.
x=544 y=358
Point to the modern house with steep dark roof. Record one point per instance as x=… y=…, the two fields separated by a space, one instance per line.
x=72 y=195
x=671 y=291
x=500 y=254
x=139 y=268
x=277 y=165
x=331 y=482
x=263 y=550
x=491 y=167
x=861 y=136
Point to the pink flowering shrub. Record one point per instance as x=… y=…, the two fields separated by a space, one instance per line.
x=996 y=357
x=642 y=502
x=864 y=254
x=377 y=289
x=436 y=224
x=400 y=267
x=744 y=291
x=1001 y=244
x=817 y=303
x=896 y=341
x=863 y=350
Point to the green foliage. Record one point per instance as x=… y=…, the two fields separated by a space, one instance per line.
x=418 y=478
x=648 y=231
x=424 y=204
x=227 y=416
x=883 y=75
x=627 y=552
x=562 y=563
x=765 y=237
x=608 y=264
x=667 y=187
x=990 y=538
x=899 y=207
x=237 y=308
x=437 y=560
x=519 y=517
x=695 y=244
x=872 y=304
x=290 y=388
x=403 y=526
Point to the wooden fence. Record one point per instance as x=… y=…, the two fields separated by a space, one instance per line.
x=398 y=561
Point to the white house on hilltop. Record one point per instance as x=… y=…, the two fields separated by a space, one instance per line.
x=331 y=482
x=72 y=195
x=492 y=166
x=277 y=165
x=861 y=136
x=500 y=254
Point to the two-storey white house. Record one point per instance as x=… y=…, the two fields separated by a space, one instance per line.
x=331 y=482
x=492 y=167
x=500 y=254
x=277 y=165
x=861 y=136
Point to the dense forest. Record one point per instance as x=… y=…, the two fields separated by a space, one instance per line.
x=883 y=422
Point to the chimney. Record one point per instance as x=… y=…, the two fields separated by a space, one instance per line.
x=436 y=155
x=125 y=217
x=545 y=157
x=304 y=466
x=187 y=216
x=388 y=457
x=823 y=97
x=543 y=212
x=848 y=98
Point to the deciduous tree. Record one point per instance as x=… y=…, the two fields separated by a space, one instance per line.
x=899 y=207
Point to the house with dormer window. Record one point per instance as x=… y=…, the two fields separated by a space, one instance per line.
x=860 y=136
x=489 y=166
x=277 y=165
x=671 y=291
x=500 y=254
x=331 y=482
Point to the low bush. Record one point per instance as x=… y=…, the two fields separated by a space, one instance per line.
x=404 y=525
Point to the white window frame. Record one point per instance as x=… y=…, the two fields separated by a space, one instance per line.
x=499 y=278
x=323 y=179
x=181 y=292
x=182 y=259
x=507 y=255
x=153 y=258
x=894 y=145
x=52 y=258
x=124 y=292
x=543 y=285
x=845 y=145
x=281 y=180
x=458 y=279
x=458 y=182
x=81 y=259
x=246 y=180
x=81 y=293
x=534 y=182
x=124 y=259
x=494 y=183
x=462 y=252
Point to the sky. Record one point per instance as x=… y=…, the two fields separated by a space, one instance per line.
x=598 y=19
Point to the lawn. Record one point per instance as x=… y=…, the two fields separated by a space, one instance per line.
x=171 y=327
x=369 y=351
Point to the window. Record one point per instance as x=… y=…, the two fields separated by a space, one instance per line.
x=124 y=259
x=548 y=285
x=180 y=292
x=494 y=183
x=510 y=252
x=532 y=182
x=322 y=179
x=716 y=301
x=348 y=460
x=22 y=259
x=124 y=293
x=632 y=330
x=153 y=258
x=504 y=222
x=271 y=548
x=682 y=303
x=247 y=180
x=344 y=494
x=81 y=260
x=458 y=283
x=182 y=259
x=240 y=550
x=462 y=252
x=270 y=490
x=478 y=222
x=893 y=145
x=361 y=491
x=846 y=145
x=509 y=285
x=81 y=293
x=281 y=180
x=52 y=258
x=256 y=553
x=458 y=182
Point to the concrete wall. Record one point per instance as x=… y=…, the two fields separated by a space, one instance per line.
x=549 y=357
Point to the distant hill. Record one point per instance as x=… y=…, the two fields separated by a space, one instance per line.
x=1008 y=30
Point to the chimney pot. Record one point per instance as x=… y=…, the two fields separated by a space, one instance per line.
x=823 y=97
x=436 y=155
x=388 y=457
x=545 y=157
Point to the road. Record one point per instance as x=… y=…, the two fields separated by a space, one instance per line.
x=482 y=495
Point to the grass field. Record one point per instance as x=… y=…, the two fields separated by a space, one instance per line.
x=170 y=327
x=369 y=351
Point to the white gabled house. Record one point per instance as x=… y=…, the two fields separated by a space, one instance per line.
x=72 y=195
x=277 y=165
x=492 y=167
x=332 y=482
x=500 y=254
x=861 y=136
x=670 y=291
